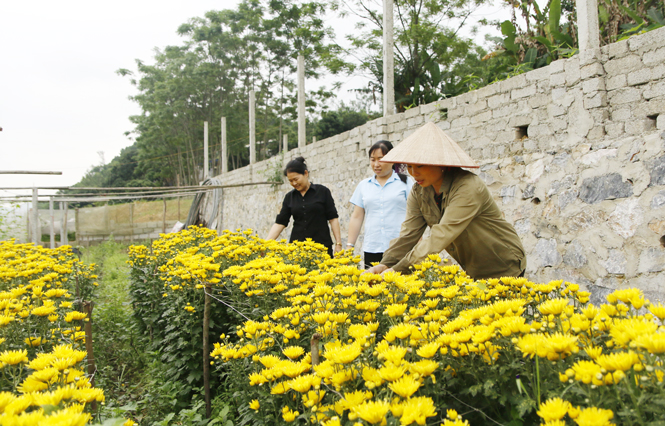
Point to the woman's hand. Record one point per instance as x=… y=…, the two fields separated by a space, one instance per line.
x=337 y=248
x=378 y=269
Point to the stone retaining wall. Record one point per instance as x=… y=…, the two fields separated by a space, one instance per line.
x=573 y=153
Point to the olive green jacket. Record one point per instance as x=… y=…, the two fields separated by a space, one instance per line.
x=471 y=228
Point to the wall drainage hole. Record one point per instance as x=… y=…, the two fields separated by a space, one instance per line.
x=662 y=241
x=652 y=122
x=521 y=132
x=443 y=113
x=536 y=200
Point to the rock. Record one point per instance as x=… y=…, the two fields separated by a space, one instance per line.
x=651 y=260
x=626 y=218
x=519 y=159
x=507 y=194
x=598 y=293
x=546 y=250
x=657 y=226
x=528 y=192
x=574 y=255
x=523 y=226
x=564 y=183
x=534 y=171
x=595 y=156
x=561 y=160
x=605 y=187
x=567 y=197
x=616 y=262
x=658 y=200
x=585 y=220
x=657 y=171
x=486 y=177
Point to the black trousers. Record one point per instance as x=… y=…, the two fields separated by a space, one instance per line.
x=372 y=258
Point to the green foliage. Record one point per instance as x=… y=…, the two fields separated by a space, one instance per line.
x=120 y=361
x=343 y=119
x=622 y=19
x=226 y=54
x=428 y=48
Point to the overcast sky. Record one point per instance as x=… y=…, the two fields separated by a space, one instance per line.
x=60 y=100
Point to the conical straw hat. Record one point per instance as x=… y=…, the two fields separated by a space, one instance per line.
x=429 y=146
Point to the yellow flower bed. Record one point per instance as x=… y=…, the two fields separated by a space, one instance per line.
x=323 y=343
x=42 y=352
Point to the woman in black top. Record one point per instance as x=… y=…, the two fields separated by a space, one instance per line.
x=311 y=206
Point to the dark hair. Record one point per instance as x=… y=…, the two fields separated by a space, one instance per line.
x=297 y=165
x=385 y=147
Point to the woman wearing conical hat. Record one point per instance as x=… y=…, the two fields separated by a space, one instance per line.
x=457 y=206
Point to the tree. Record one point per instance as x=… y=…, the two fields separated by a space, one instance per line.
x=427 y=44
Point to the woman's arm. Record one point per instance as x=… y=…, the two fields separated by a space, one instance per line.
x=355 y=223
x=334 y=225
x=275 y=231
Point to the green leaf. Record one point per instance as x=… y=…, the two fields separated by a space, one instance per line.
x=545 y=42
x=508 y=30
x=530 y=57
x=656 y=16
x=603 y=14
x=555 y=15
x=632 y=14
x=563 y=39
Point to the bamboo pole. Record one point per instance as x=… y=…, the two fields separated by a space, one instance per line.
x=206 y=161
x=388 y=60
x=65 y=241
x=164 y=217
x=225 y=152
x=87 y=327
x=76 y=226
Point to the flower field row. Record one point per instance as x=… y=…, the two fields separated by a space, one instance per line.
x=42 y=342
x=315 y=341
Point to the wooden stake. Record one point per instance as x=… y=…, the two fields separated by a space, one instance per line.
x=314 y=347
x=225 y=152
x=76 y=225
x=302 y=135
x=87 y=327
x=206 y=168
x=131 y=222
x=206 y=350
x=36 y=229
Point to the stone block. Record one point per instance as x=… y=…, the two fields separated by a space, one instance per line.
x=622 y=65
x=596 y=132
x=429 y=108
x=624 y=95
x=538 y=74
x=614 y=129
x=412 y=112
x=455 y=112
x=596 y=100
x=638 y=77
x=591 y=70
x=605 y=187
x=476 y=107
x=660 y=122
x=415 y=121
x=572 y=70
x=498 y=100
x=546 y=252
x=616 y=82
x=657 y=171
x=444 y=125
x=520 y=120
x=647 y=41
x=654 y=57
x=593 y=85
x=482 y=117
x=621 y=114
x=557 y=66
x=523 y=92
x=554 y=110
x=516 y=82
x=557 y=79
x=460 y=122
x=539 y=100
x=654 y=90
x=618 y=49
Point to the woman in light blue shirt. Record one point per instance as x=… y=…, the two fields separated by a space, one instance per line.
x=379 y=201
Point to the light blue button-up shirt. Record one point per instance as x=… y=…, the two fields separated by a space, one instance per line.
x=385 y=209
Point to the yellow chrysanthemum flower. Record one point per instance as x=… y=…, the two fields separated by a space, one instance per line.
x=372 y=411
x=293 y=352
x=594 y=416
x=405 y=386
x=14 y=357
x=417 y=410
x=553 y=409
x=254 y=405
